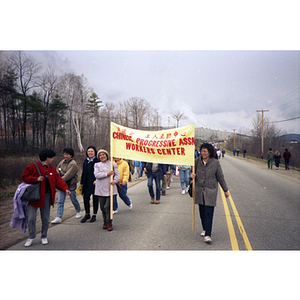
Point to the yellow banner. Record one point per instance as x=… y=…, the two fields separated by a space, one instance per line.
x=171 y=146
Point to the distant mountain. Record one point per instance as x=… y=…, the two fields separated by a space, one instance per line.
x=291 y=137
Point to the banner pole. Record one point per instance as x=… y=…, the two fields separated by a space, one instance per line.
x=111 y=191
x=193 y=226
x=111 y=176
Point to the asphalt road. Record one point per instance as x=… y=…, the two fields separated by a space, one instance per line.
x=266 y=217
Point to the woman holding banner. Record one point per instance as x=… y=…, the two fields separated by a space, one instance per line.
x=208 y=173
x=103 y=172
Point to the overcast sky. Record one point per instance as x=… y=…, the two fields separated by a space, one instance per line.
x=214 y=89
x=182 y=65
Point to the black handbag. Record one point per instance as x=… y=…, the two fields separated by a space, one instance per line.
x=190 y=190
x=32 y=193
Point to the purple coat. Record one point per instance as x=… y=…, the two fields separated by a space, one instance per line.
x=19 y=218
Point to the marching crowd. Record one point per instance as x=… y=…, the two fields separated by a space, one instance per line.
x=101 y=177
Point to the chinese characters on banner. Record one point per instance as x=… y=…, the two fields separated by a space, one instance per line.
x=171 y=146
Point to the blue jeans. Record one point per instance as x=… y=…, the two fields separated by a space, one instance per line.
x=45 y=216
x=61 y=202
x=155 y=176
x=184 y=178
x=287 y=163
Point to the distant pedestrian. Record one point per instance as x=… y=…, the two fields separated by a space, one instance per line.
x=277 y=157
x=234 y=151
x=88 y=182
x=154 y=172
x=50 y=181
x=237 y=152
x=208 y=173
x=270 y=157
x=170 y=172
x=184 y=174
x=219 y=152
x=68 y=170
x=123 y=169
x=137 y=169
x=103 y=172
x=244 y=153
x=223 y=153
x=287 y=155
x=197 y=154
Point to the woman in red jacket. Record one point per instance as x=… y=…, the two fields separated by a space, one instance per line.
x=50 y=180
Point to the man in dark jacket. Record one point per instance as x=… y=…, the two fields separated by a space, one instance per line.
x=158 y=173
x=287 y=155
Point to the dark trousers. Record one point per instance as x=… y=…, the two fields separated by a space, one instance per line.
x=206 y=216
x=105 y=208
x=86 y=201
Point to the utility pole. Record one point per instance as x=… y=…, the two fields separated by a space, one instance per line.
x=262 y=130
x=234 y=138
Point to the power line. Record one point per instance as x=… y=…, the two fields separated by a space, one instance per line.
x=286 y=120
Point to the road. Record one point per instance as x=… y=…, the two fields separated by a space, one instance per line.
x=263 y=214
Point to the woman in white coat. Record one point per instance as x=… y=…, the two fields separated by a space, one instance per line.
x=103 y=172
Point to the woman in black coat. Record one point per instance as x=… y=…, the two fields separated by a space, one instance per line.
x=88 y=184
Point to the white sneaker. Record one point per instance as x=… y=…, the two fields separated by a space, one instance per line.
x=207 y=239
x=183 y=192
x=44 y=241
x=186 y=189
x=130 y=206
x=78 y=215
x=28 y=242
x=57 y=220
x=202 y=233
x=115 y=212
x=168 y=187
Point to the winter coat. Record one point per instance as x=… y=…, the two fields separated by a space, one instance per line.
x=30 y=175
x=287 y=155
x=162 y=169
x=206 y=181
x=88 y=177
x=270 y=155
x=123 y=169
x=102 y=187
x=19 y=218
x=277 y=158
x=68 y=170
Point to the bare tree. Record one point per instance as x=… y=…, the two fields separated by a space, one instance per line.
x=26 y=69
x=178 y=116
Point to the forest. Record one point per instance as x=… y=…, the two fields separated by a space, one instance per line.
x=41 y=108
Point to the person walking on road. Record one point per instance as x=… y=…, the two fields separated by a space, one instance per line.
x=123 y=169
x=88 y=181
x=287 y=155
x=50 y=180
x=208 y=173
x=270 y=157
x=103 y=172
x=137 y=169
x=154 y=172
x=68 y=170
x=184 y=174
x=277 y=157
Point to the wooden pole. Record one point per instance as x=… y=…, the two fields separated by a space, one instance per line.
x=111 y=190
x=193 y=226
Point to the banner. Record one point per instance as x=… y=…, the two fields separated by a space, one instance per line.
x=171 y=146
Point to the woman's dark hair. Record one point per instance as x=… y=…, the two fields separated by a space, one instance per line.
x=91 y=147
x=210 y=149
x=69 y=151
x=46 y=153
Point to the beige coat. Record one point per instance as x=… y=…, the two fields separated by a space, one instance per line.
x=68 y=170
